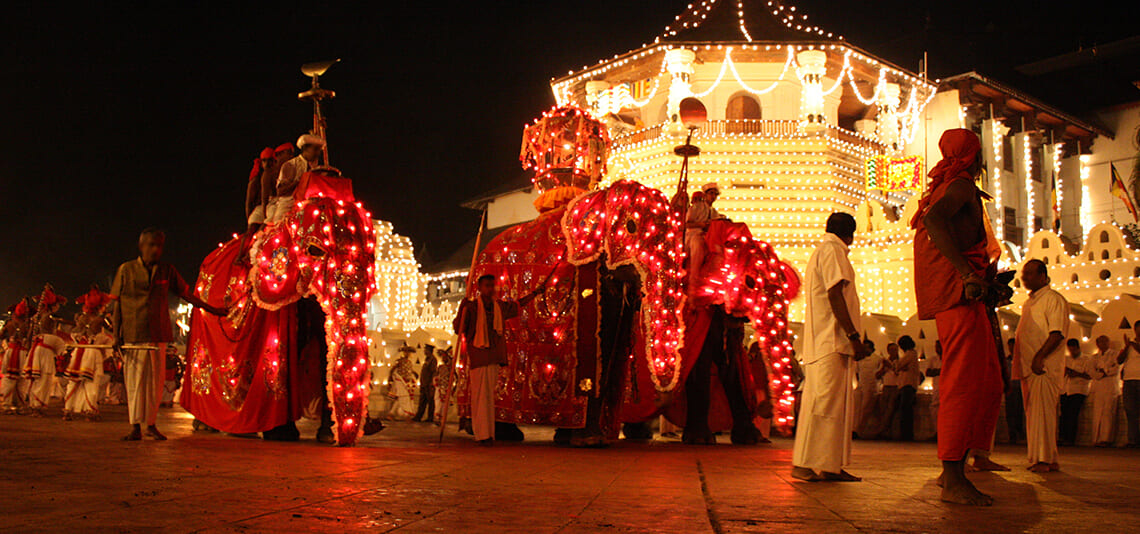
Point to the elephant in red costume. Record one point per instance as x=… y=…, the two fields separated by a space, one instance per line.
x=741 y=280
x=605 y=267
x=254 y=370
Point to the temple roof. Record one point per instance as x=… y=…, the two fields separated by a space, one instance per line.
x=719 y=21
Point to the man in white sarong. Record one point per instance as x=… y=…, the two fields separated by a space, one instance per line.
x=15 y=334
x=1040 y=352
x=866 y=388
x=40 y=367
x=832 y=345
x=141 y=317
x=289 y=177
x=697 y=221
x=1105 y=392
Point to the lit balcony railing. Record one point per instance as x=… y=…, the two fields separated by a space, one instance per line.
x=758 y=128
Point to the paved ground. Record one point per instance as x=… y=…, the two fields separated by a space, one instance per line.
x=77 y=476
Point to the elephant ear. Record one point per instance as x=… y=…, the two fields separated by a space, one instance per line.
x=276 y=271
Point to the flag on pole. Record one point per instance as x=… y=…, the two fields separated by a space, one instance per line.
x=1120 y=190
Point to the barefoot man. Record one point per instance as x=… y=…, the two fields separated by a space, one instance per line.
x=1040 y=353
x=832 y=345
x=954 y=256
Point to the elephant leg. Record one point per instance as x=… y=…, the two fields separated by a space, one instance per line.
x=698 y=384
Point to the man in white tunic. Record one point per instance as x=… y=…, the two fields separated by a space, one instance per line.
x=289 y=177
x=1078 y=374
x=832 y=344
x=1040 y=352
x=1129 y=360
x=700 y=213
x=1104 y=390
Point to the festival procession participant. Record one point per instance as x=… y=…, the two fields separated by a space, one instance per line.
x=291 y=173
x=402 y=386
x=832 y=342
x=909 y=379
x=887 y=405
x=15 y=334
x=443 y=385
x=866 y=388
x=172 y=381
x=254 y=200
x=426 y=409
x=39 y=370
x=1078 y=374
x=1104 y=390
x=697 y=225
x=954 y=254
x=1129 y=360
x=480 y=322
x=86 y=366
x=141 y=316
x=1040 y=354
x=1014 y=402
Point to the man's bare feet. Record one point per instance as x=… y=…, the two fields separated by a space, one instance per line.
x=841 y=476
x=807 y=475
x=1041 y=467
x=135 y=435
x=982 y=463
x=964 y=492
x=152 y=431
x=941 y=480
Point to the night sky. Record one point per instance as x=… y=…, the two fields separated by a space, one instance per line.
x=124 y=115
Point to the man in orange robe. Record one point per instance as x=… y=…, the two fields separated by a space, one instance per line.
x=955 y=258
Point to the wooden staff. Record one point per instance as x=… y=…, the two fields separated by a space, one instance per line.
x=458 y=345
x=124 y=347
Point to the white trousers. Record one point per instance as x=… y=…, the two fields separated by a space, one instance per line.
x=13 y=391
x=82 y=396
x=1042 y=397
x=144 y=371
x=827 y=415
x=483 y=382
x=1104 y=399
x=42 y=386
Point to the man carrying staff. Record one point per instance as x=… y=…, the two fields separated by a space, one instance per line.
x=480 y=322
x=697 y=221
x=955 y=256
x=141 y=316
x=831 y=346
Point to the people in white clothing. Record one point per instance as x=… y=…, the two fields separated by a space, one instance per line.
x=832 y=344
x=1040 y=352
x=1078 y=374
x=1105 y=392
x=289 y=177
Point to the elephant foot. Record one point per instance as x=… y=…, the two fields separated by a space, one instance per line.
x=746 y=435
x=325 y=435
x=562 y=436
x=587 y=439
x=637 y=431
x=698 y=437
x=285 y=432
x=508 y=432
x=372 y=426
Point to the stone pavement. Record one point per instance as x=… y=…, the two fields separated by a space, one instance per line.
x=77 y=476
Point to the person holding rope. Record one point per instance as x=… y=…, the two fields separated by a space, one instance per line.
x=141 y=316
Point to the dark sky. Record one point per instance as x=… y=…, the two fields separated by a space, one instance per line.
x=122 y=115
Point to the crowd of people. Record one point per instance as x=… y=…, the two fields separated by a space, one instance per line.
x=956 y=285
x=848 y=389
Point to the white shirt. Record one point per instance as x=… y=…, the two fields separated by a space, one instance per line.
x=700 y=212
x=290 y=175
x=911 y=376
x=866 y=369
x=1105 y=368
x=1075 y=385
x=828 y=266
x=933 y=361
x=891 y=378
x=1045 y=312
x=1130 y=369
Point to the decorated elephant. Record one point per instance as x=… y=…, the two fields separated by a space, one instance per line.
x=259 y=367
x=605 y=268
x=741 y=280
